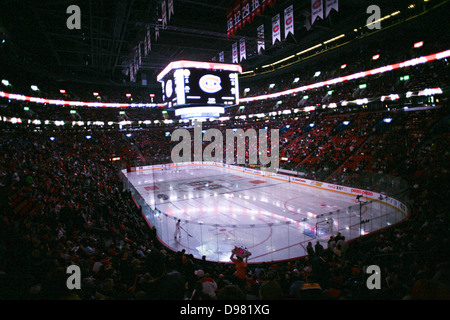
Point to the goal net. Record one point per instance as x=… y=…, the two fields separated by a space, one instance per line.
x=324 y=229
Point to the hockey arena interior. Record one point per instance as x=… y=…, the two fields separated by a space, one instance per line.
x=94 y=207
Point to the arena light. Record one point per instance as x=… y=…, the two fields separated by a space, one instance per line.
x=343 y=66
x=334 y=39
x=383 y=18
x=332 y=105
x=5 y=82
x=62 y=91
x=362 y=101
x=376 y=57
x=404 y=78
x=418 y=44
x=430 y=92
x=309 y=49
x=34 y=88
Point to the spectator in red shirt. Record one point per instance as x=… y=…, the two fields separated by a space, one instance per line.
x=241 y=270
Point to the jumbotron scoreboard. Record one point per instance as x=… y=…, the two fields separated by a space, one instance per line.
x=200 y=89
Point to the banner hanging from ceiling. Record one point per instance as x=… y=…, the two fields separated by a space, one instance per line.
x=289 y=20
x=242 y=50
x=164 y=14
x=330 y=5
x=261 y=43
x=276 y=28
x=171 y=10
x=234 y=53
x=256 y=9
x=237 y=16
x=316 y=10
x=244 y=12
x=230 y=22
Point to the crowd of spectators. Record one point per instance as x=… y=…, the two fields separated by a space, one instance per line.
x=64 y=203
x=63 y=200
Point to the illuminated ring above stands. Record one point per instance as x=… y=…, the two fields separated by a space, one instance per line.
x=362 y=74
x=19 y=97
x=358 y=75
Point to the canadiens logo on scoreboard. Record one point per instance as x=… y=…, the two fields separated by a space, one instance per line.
x=210 y=83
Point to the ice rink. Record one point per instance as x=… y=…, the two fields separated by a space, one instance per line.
x=223 y=207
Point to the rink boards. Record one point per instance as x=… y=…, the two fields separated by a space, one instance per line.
x=274 y=215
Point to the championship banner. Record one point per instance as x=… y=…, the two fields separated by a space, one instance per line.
x=131 y=72
x=289 y=20
x=235 y=53
x=156 y=33
x=276 y=32
x=149 y=40
x=170 y=4
x=230 y=22
x=147 y=43
x=139 y=54
x=261 y=43
x=331 y=4
x=237 y=16
x=164 y=16
x=316 y=10
x=242 y=49
x=135 y=66
x=246 y=15
x=256 y=8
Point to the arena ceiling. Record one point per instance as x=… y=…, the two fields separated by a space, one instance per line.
x=38 y=40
